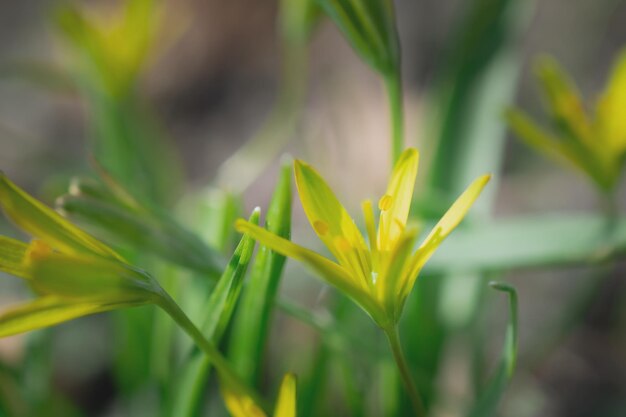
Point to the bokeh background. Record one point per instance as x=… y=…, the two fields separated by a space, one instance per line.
x=212 y=87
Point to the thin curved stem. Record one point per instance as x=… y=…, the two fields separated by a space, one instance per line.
x=222 y=366
x=393 y=85
x=409 y=384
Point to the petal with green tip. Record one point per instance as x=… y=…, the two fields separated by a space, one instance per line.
x=42 y=222
x=286 y=403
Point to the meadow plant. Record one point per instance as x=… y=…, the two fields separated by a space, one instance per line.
x=177 y=252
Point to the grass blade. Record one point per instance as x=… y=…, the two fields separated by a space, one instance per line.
x=488 y=401
x=253 y=320
x=187 y=388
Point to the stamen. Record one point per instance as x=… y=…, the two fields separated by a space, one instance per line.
x=385 y=202
x=321 y=227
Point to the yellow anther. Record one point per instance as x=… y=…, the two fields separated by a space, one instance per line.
x=342 y=244
x=38 y=249
x=385 y=202
x=321 y=227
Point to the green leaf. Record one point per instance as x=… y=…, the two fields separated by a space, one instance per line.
x=49 y=311
x=252 y=323
x=370 y=27
x=489 y=399
x=143 y=230
x=12 y=254
x=186 y=391
x=530 y=242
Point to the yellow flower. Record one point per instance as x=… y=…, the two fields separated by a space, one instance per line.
x=243 y=406
x=74 y=273
x=380 y=275
x=594 y=143
x=116 y=44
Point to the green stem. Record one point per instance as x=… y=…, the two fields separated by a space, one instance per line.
x=398 y=354
x=393 y=85
x=222 y=366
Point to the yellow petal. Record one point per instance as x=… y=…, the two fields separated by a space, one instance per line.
x=41 y=221
x=396 y=202
x=48 y=311
x=564 y=101
x=336 y=275
x=443 y=228
x=77 y=277
x=395 y=271
x=331 y=221
x=12 y=255
x=612 y=107
x=286 y=403
x=240 y=405
x=562 y=151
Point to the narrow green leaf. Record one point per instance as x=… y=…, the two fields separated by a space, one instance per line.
x=186 y=391
x=49 y=311
x=488 y=401
x=144 y=231
x=370 y=27
x=252 y=323
x=12 y=254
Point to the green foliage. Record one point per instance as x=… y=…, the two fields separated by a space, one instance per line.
x=369 y=26
x=488 y=400
x=117 y=216
x=253 y=320
x=186 y=389
x=351 y=368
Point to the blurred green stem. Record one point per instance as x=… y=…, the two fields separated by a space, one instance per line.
x=396 y=348
x=222 y=366
x=393 y=85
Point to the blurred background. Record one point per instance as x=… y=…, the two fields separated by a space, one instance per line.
x=211 y=85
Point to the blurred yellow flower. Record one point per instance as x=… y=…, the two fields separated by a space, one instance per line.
x=378 y=276
x=243 y=406
x=74 y=273
x=114 y=45
x=594 y=142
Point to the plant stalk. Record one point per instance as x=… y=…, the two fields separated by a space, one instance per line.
x=393 y=85
x=222 y=366
x=409 y=384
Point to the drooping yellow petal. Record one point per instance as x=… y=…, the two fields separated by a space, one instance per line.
x=43 y=222
x=560 y=150
x=240 y=405
x=331 y=221
x=334 y=274
x=564 y=101
x=76 y=277
x=48 y=311
x=286 y=403
x=611 y=111
x=395 y=204
x=12 y=254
